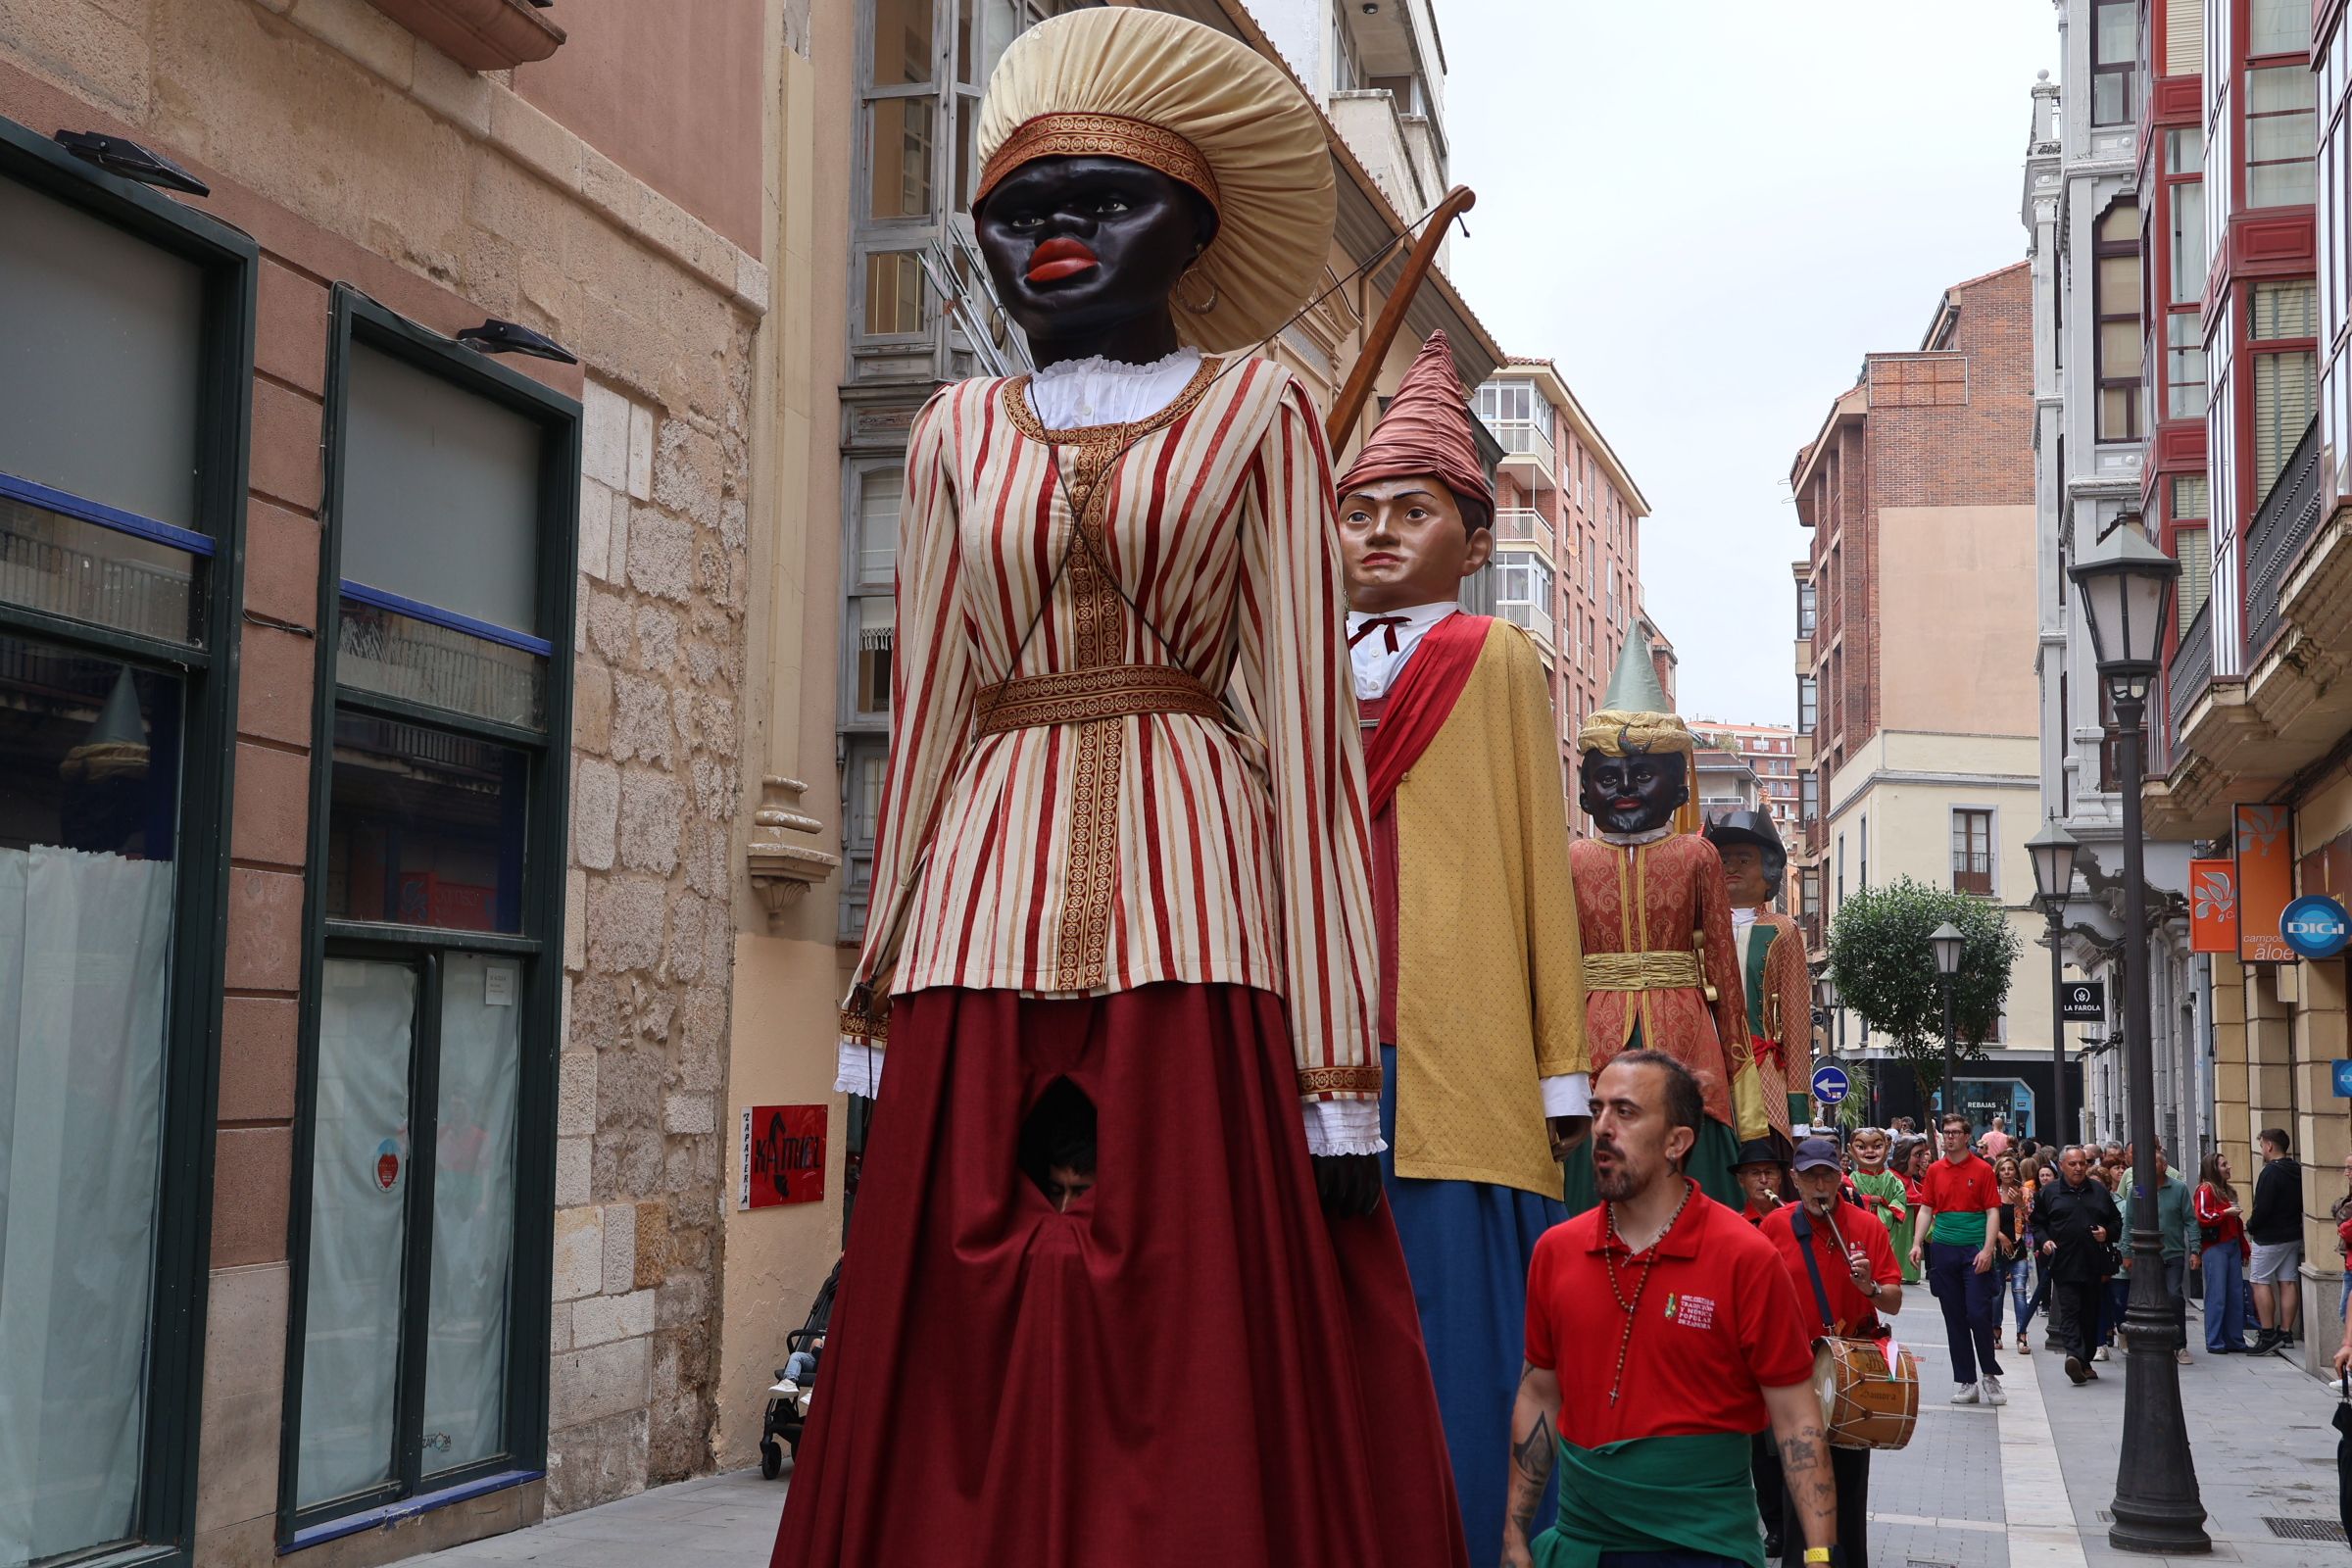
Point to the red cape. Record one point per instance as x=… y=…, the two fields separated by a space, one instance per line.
x=1420 y=701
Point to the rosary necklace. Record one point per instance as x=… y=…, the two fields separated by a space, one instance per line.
x=1608 y=1257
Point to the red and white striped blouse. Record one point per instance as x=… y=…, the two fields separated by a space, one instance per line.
x=1080 y=859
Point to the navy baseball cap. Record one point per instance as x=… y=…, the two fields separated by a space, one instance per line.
x=1817 y=1153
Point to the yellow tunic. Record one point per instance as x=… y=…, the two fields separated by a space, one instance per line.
x=1489 y=974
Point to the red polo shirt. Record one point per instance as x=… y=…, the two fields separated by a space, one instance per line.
x=1963 y=1187
x=1848 y=1307
x=1716 y=1325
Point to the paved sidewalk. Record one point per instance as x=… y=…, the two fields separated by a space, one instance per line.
x=2022 y=1487
x=2260 y=1434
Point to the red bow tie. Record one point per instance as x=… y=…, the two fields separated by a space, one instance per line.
x=1387 y=625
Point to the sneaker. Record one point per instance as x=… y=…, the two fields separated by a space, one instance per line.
x=1966 y=1396
x=2182 y=1357
x=2101 y=1354
x=1991 y=1390
x=2076 y=1371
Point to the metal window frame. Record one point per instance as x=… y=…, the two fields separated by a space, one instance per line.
x=355 y=318
x=165 y=1524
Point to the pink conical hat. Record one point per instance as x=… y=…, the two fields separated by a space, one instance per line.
x=1426 y=431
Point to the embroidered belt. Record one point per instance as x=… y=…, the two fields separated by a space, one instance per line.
x=1641 y=971
x=1082 y=696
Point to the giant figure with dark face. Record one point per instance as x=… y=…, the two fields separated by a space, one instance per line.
x=1660 y=969
x=1122 y=854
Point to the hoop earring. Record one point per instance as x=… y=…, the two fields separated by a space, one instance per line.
x=1206 y=305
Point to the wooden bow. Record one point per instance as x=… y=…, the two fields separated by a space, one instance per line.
x=1358 y=386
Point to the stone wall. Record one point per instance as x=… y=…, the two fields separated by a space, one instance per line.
x=648 y=939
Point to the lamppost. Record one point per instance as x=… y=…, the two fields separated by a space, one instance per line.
x=2126 y=589
x=1824 y=1002
x=2053 y=851
x=1947 y=941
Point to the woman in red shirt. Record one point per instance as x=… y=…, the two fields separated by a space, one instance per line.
x=2222 y=1229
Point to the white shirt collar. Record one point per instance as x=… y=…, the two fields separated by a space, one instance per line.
x=1076 y=394
x=1664 y=830
x=1744 y=915
x=1375 y=667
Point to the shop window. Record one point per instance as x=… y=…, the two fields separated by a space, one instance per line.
x=126 y=362
x=418 y=1332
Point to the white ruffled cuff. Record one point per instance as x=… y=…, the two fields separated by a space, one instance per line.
x=1568 y=1095
x=858 y=1069
x=1342 y=1126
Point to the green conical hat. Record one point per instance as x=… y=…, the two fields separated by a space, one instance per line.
x=1634 y=715
x=1634 y=685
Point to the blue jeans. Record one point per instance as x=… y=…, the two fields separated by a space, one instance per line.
x=2018 y=1272
x=1972 y=1309
x=2224 y=1298
x=2119 y=1297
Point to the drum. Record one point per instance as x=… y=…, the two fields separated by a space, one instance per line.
x=1866 y=1403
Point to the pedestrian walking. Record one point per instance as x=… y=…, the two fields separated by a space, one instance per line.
x=2115 y=1292
x=1839 y=1255
x=1996 y=1141
x=2177 y=1226
x=2046 y=1300
x=1958 y=1233
x=2016 y=1264
x=2222 y=1234
x=2275 y=1228
x=1661 y=1330
x=2341 y=1213
x=2075 y=1223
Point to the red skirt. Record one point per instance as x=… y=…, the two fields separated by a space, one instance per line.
x=1191 y=1365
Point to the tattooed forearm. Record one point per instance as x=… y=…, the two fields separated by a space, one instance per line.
x=1534 y=1450
x=1800 y=1451
x=1805 y=1468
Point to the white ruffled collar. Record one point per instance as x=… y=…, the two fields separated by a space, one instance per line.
x=1096 y=365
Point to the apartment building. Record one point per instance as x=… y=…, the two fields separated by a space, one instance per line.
x=2255 y=720
x=1567 y=538
x=1915 y=691
x=1769 y=751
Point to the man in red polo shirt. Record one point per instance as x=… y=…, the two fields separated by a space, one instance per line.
x=1959 y=1225
x=1852 y=1283
x=1661 y=1331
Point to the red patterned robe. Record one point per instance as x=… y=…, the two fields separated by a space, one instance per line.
x=1651 y=898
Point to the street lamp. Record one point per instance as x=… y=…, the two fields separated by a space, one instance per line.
x=2053 y=851
x=2126 y=588
x=1947 y=941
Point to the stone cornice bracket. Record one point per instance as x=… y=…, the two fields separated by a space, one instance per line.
x=782 y=870
x=478 y=34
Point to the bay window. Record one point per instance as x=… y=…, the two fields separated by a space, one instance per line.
x=2115 y=298
x=2281 y=330
x=2282 y=135
x=2114 y=61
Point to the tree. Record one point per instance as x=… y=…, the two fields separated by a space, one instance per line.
x=1885 y=969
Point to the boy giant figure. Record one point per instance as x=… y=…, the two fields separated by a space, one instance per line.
x=1482 y=1001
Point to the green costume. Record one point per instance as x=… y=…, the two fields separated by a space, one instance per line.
x=1888 y=1186
x=1687 y=1493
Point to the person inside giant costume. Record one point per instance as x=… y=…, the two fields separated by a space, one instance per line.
x=1482 y=1003
x=1123 y=842
x=1661 y=972
x=1772 y=976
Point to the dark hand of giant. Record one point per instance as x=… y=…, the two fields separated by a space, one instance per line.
x=1349 y=1184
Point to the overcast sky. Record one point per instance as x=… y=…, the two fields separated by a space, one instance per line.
x=1707 y=212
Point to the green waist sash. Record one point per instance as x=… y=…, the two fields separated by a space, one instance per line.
x=1689 y=1492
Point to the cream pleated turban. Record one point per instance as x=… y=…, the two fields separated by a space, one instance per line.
x=1116 y=81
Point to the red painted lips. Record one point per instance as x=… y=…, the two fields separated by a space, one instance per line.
x=1059 y=258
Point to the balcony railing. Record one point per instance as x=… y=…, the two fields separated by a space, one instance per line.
x=1535 y=617
x=2283 y=525
x=2185 y=679
x=1522 y=525
x=1526 y=438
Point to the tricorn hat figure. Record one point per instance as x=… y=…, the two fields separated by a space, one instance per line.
x=1756 y=828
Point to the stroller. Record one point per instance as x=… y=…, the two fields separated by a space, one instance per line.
x=796 y=1381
